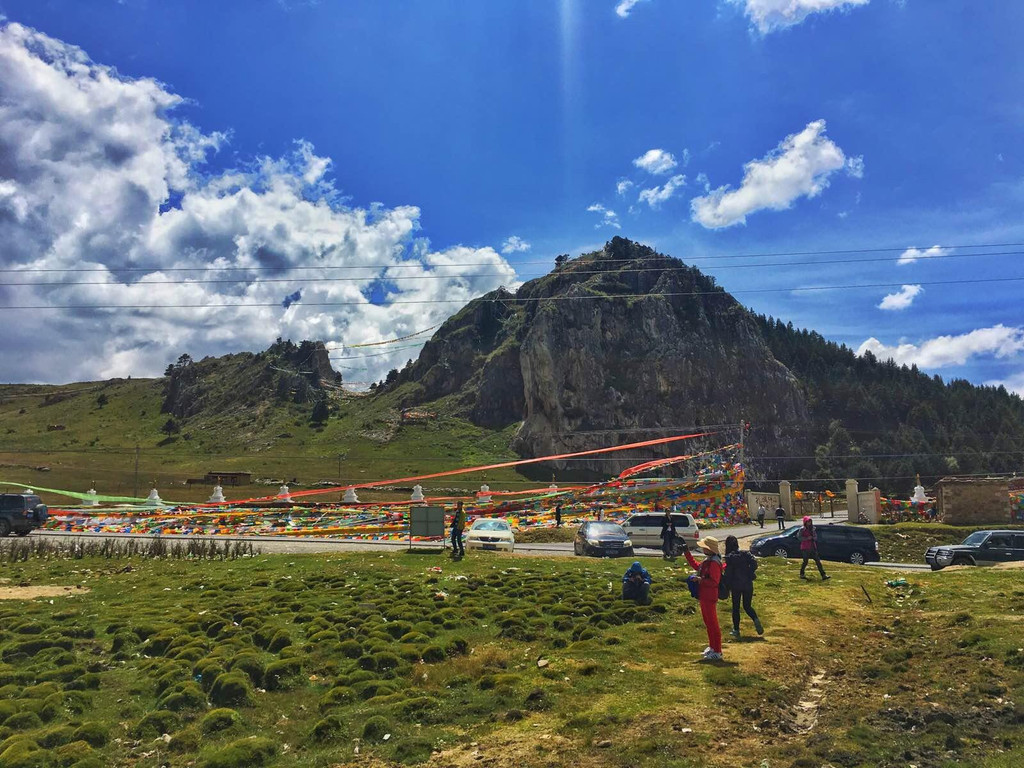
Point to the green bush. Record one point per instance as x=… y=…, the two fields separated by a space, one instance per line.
x=251 y=665
x=208 y=670
x=352 y=649
x=328 y=729
x=7 y=708
x=282 y=674
x=385 y=660
x=156 y=724
x=337 y=696
x=183 y=697
x=55 y=736
x=93 y=734
x=281 y=639
x=231 y=688
x=433 y=654
x=24 y=754
x=457 y=646
x=375 y=728
x=370 y=688
x=218 y=720
x=23 y=721
x=244 y=753
x=71 y=753
x=184 y=741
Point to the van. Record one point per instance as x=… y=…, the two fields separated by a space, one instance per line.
x=644 y=529
x=20 y=513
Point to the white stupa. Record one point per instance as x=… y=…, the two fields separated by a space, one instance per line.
x=417 y=494
x=484 y=497
x=350 y=496
x=154 y=500
x=919 y=494
x=93 y=501
x=283 y=493
x=218 y=495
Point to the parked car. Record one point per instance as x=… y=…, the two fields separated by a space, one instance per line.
x=980 y=548
x=20 y=513
x=602 y=539
x=644 y=530
x=842 y=543
x=490 y=533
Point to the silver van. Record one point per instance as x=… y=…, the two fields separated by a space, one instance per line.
x=644 y=529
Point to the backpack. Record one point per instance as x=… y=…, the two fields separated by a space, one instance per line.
x=693 y=584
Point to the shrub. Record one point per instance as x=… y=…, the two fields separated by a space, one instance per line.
x=433 y=654
x=375 y=728
x=55 y=736
x=184 y=741
x=457 y=646
x=385 y=660
x=281 y=639
x=93 y=734
x=182 y=697
x=414 y=751
x=23 y=754
x=217 y=720
x=251 y=665
x=336 y=697
x=156 y=724
x=23 y=721
x=280 y=674
x=244 y=753
x=370 y=688
x=72 y=753
x=328 y=729
x=208 y=670
x=231 y=688
x=352 y=649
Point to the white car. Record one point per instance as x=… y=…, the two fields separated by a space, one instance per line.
x=490 y=533
x=645 y=529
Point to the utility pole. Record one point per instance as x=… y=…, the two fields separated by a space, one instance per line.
x=741 y=440
x=136 y=494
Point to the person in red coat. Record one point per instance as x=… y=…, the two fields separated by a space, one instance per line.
x=809 y=549
x=710 y=574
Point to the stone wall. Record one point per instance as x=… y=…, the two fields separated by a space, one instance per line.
x=973 y=501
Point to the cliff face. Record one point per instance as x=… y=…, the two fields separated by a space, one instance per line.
x=581 y=369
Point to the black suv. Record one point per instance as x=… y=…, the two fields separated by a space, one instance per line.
x=842 y=543
x=20 y=513
x=980 y=548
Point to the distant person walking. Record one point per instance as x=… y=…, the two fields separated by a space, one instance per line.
x=709 y=575
x=780 y=517
x=809 y=549
x=668 y=536
x=761 y=514
x=740 y=572
x=458 y=526
x=558 y=516
x=636 y=584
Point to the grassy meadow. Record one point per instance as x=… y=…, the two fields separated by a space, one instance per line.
x=411 y=659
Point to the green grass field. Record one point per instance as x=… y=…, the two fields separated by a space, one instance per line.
x=499 y=661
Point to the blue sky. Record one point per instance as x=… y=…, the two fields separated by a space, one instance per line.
x=767 y=127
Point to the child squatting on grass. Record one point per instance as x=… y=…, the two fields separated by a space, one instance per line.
x=709 y=574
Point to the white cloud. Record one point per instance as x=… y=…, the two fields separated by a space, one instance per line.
x=99 y=175
x=655 y=196
x=770 y=15
x=911 y=255
x=515 y=244
x=621 y=188
x=998 y=341
x=609 y=218
x=799 y=167
x=656 y=161
x=902 y=298
x=625 y=6
x=1014 y=383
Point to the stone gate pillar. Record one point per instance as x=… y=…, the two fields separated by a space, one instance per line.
x=852 y=503
x=786 y=498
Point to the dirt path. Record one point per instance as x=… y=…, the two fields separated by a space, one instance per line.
x=31 y=593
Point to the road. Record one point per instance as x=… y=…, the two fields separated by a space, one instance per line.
x=310 y=545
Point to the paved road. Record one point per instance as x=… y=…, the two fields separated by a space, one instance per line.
x=306 y=545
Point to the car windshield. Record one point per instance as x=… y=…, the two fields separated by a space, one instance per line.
x=489 y=525
x=976 y=538
x=605 y=529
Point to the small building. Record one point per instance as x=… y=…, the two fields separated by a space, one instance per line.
x=973 y=500
x=229 y=478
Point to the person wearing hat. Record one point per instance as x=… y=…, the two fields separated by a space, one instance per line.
x=709 y=573
x=636 y=584
x=809 y=548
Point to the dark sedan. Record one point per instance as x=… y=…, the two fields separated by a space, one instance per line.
x=601 y=539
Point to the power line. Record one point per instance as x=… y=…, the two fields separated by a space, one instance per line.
x=583 y=257
x=517 y=300
x=467 y=275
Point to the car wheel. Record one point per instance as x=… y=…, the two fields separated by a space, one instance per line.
x=5 y=526
x=962 y=561
x=857 y=558
x=781 y=552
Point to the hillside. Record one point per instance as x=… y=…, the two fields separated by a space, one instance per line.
x=616 y=346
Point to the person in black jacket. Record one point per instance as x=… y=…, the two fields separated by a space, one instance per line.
x=740 y=572
x=668 y=536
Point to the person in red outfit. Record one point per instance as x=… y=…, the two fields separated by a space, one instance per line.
x=809 y=549
x=710 y=574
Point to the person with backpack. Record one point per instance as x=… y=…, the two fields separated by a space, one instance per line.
x=708 y=579
x=780 y=517
x=809 y=549
x=668 y=536
x=740 y=572
x=458 y=525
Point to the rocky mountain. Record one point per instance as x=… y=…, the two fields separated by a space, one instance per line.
x=626 y=344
